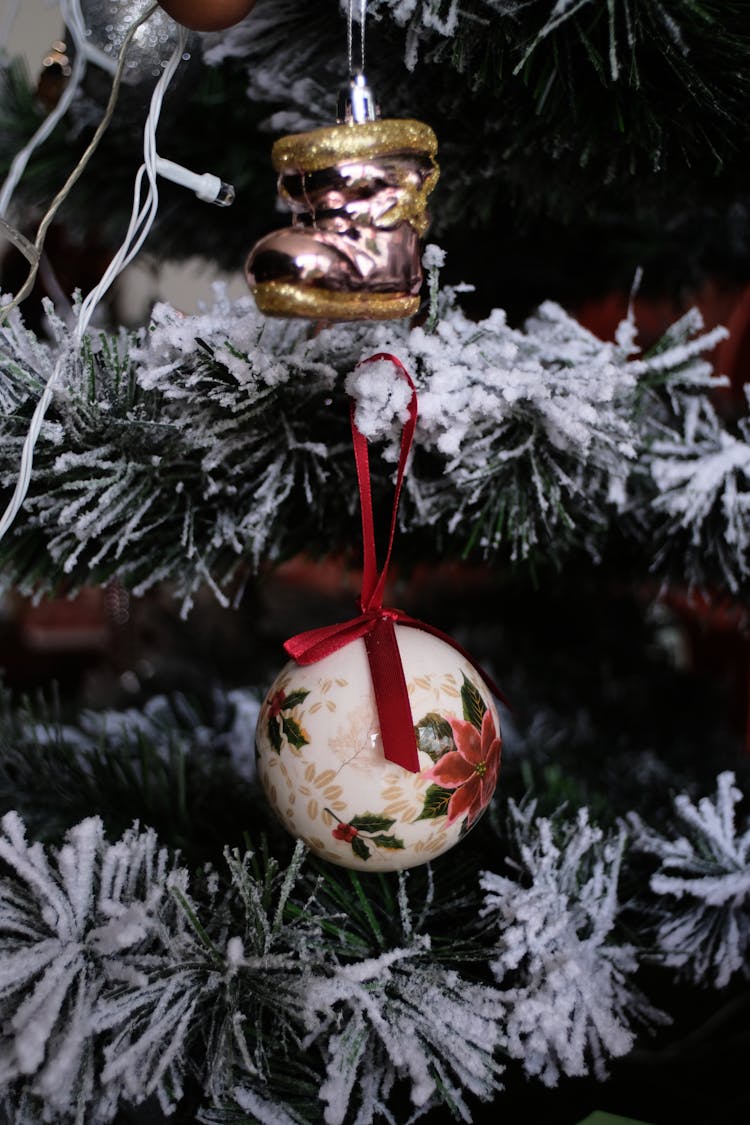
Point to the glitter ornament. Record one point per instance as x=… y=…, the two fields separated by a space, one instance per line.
x=359 y=197
x=108 y=22
x=321 y=761
x=200 y=15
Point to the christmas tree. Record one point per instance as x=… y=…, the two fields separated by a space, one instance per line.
x=182 y=497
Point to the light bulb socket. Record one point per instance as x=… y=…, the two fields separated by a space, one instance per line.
x=226 y=195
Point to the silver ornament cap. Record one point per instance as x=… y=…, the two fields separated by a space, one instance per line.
x=357 y=103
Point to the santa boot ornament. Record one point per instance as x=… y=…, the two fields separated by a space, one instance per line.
x=358 y=193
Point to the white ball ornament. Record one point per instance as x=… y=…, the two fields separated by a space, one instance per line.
x=321 y=761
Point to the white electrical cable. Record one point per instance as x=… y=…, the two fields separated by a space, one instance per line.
x=142 y=215
x=7 y=20
x=141 y=220
x=71 y=10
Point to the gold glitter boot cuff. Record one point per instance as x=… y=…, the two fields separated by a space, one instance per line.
x=339 y=144
x=281 y=298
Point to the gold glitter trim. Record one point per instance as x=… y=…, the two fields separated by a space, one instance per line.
x=413 y=205
x=322 y=148
x=281 y=298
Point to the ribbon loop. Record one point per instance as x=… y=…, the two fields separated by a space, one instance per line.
x=373 y=583
x=377 y=625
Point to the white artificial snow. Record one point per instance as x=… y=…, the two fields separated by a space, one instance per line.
x=397 y=1016
x=527 y=438
x=264 y=1111
x=566 y=981
x=433 y=257
x=703 y=883
x=73 y=924
x=382 y=396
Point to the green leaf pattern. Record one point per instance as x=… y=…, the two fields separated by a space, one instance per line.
x=436 y=802
x=473 y=704
x=282 y=725
x=434 y=735
x=366 y=831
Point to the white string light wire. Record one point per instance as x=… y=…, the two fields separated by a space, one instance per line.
x=7 y=20
x=71 y=11
x=141 y=220
x=143 y=214
x=33 y=251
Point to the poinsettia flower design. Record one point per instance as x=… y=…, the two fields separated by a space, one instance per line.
x=471 y=769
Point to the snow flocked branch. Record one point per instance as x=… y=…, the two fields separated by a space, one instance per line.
x=110 y=980
x=119 y=979
x=213 y=442
x=568 y=988
x=124 y=977
x=702 y=474
x=703 y=884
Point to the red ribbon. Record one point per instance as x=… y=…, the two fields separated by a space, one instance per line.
x=375 y=623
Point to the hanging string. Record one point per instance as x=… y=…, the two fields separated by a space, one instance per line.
x=141 y=220
x=350 y=35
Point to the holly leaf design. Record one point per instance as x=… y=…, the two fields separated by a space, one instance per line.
x=436 y=801
x=294 y=699
x=434 y=735
x=387 y=842
x=474 y=707
x=274 y=734
x=360 y=848
x=293 y=731
x=371 y=822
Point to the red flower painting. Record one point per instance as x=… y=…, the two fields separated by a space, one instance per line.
x=471 y=769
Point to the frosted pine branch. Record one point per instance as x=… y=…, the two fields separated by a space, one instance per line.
x=403 y=1015
x=566 y=978
x=702 y=503
x=114 y=979
x=214 y=442
x=703 y=884
x=117 y=978
x=78 y=931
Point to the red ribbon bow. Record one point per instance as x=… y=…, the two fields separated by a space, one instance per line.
x=375 y=623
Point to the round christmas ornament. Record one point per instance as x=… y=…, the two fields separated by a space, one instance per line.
x=322 y=765
x=108 y=22
x=207 y=15
x=379 y=744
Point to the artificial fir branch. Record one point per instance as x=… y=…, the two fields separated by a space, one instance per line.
x=183 y=769
x=125 y=975
x=704 y=875
x=129 y=975
x=211 y=444
x=571 y=993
